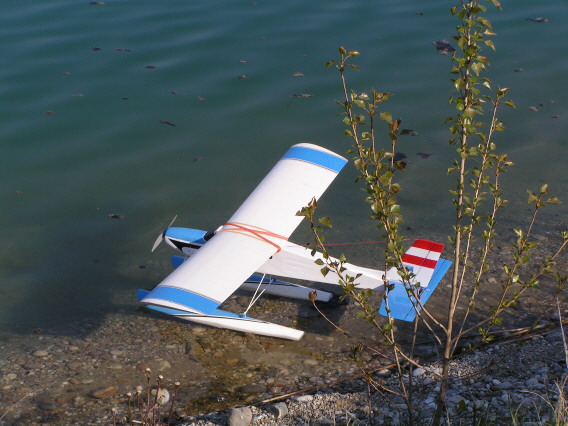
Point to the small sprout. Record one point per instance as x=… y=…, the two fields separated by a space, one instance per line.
x=313 y=295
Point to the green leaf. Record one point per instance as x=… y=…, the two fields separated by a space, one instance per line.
x=329 y=64
x=386 y=116
x=342 y=50
x=325 y=221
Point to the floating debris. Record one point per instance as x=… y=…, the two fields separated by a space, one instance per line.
x=200 y=98
x=65 y=73
x=242 y=61
x=301 y=95
x=420 y=13
x=77 y=95
x=444 y=47
x=116 y=216
x=167 y=123
x=150 y=67
x=120 y=49
x=538 y=20
x=96 y=49
x=242 y=77
x=408 y=132
x=198 y=159
x=423 y=154
x=399 y=156
x=49 y=112
x=533 y=108
x=555 y=116
x=518 y=69
x=97 y=3
x=298 y=74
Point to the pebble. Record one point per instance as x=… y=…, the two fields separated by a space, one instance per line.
x=104 y=392
x=164 y=365
x=280 y=410
x=74 y=365
x=240 y=416
x=40 y=353
x=252 y=389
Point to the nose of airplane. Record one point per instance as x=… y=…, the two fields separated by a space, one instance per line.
x=184 y=238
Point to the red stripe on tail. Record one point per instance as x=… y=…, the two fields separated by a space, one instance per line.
x=428 y=245
x=419 y=261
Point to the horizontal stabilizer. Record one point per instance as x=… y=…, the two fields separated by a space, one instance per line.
x=224 y=319
x=399 y=300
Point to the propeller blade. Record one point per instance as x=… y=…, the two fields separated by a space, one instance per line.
x=158 y=241
x=161 y=236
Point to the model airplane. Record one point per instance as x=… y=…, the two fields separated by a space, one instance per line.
x=255 y=239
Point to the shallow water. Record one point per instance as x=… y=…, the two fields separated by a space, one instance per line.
x=149 y=110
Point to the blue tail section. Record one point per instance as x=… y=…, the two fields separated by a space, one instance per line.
x=399 y=303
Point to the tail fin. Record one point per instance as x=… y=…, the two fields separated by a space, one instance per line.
x=423 y=259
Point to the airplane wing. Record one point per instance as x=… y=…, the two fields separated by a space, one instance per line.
x=254 y=233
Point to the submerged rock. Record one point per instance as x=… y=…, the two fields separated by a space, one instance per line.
x=444 y=47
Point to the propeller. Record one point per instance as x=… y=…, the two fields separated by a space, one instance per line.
x=162 y=234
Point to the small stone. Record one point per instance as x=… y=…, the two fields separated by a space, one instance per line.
x=116 y=352
x=304 y=398
x=504 y=385
x=46 y=405
x=418 y=372
x=240 y=416
x=115 y=366
x=40 y=353
x=280 y=409
x=74 y=365
x=532 y=382
x=104 y=392
x=73 y=348
x=10 y=376
x=310 y=361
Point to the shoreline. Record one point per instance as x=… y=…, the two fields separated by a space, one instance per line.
x=79 y=382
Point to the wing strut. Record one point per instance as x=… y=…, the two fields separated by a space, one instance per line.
x=254 y=296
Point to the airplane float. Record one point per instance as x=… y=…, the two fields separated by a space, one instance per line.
x=255 y=241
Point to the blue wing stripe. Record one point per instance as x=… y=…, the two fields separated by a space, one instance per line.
x=317 y=157
x=185 y=298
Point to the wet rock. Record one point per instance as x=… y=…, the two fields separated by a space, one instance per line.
x=252 y=389
x=104 y=392
x=40 y=353
x=74 y=365
x=444 y=47
x=240 y=416
x=142 y=366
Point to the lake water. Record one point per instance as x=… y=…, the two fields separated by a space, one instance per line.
x=150 y=109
